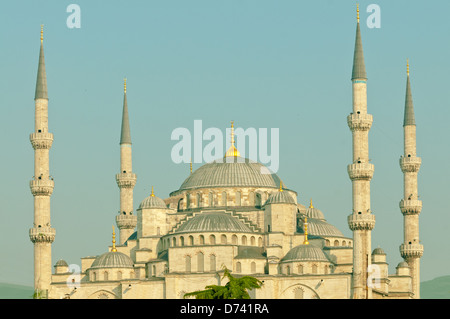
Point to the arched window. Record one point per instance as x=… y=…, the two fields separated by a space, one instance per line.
x=288 y=270
x=212 y=262
x=234 y=240
x=188 y=263
x=224 y=198
x=211 y=199
x=181 y=241
x=201 y=240
x=244 y=240
x=180 y=204
x=174 y=242
x=253 y=267
x=258 y=200
x=212 y=240
x=260 y=241
x=314 y=269
x=200 y=262
x=238 y=267
x=223 y=239
x=327 y=242
x=105 y=275
x=191 y=241
x=300 y=269
x=199 y=200
x=252 y=241
x=188 y=201
x=94 y=276
x=298 y=293
x=344 y=243
x=336 y=242
x=119 y=275
x=153 y=271
x=238 y=198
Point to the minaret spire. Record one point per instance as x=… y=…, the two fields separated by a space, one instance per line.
x=361 y=221
x=42 y=234
x=232 y=151
x=126 y=179
x=411 y=250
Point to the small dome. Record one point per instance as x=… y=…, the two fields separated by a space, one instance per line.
x=305 y=253
x=403 y=264
x=313 y=212
x=378 y=251
x=112 y=260
x=213 y=222
x=317 y=227
x=61 y=263
x=280 y=198
x=152 y=202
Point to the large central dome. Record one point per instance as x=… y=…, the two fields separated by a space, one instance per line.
x=232 y=172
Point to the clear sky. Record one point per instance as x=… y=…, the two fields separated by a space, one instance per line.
x=264 y=64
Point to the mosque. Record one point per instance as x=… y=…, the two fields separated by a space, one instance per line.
x=230 y=213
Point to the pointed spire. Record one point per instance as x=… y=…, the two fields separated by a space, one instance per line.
x=153 y=193
x=281 y=186
x=409 y=108
x=232 y=151
x=310 y=203
x=41 y=81
x=359 y=68
x=114 y=241
x=125 y=136
x=191 y=166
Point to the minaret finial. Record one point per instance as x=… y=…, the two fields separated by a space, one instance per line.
x=310 y=203
x=42 y=33
x=281 y=186
x=153 y=194
x=191 y=165
x=114 y=241
x=305 y=224
x=357 y=12
x=407 y=67
x=125 y=85
x=232 y=151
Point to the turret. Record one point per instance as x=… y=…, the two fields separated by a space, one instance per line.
x=361 y=221
x=41 y=234
x=126 y=179
x=411 y=250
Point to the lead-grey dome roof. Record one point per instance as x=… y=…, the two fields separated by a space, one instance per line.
x=152 y=202
x=61 y=263
x=231 y=172
x=280 y=198
x=214 y=222
x=113 y=259
x=305 y=253
x=318 y=227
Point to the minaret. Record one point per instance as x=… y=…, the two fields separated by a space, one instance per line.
x=411 y=250
x=126 y=179
x=42 y=234
x=361 y=221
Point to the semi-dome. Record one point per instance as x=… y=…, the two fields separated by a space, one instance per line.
x=152 y=201
x=231 y=172
x=213 y=222
x=280 y=197
x=318 y=227
x=305 y=253
x=113 y=259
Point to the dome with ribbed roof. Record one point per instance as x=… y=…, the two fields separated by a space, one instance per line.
x=317 y=227
x=213 y=222
x=113 y=259
x=152 y=202
x=305 y=253
x=61 y=263
x=231 y=172
x=280 y=197
x=378 y=251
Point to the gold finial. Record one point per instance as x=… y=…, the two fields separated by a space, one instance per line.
x=306 y=242
x=125 y=85
x=310 y=203
x=407 y=67
x=114 y=241
x=357 y=12
x=153 y=194
x=232 y=151
x=191 y=165
x=281 y=186
x=42 y=32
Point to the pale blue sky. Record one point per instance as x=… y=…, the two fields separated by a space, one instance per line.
x=264 y=64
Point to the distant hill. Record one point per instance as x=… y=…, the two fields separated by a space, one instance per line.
x=12 y=291
x=437 y=288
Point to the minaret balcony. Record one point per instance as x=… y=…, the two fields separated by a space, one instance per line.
x=41 y=140
x=42 y=234
x=126 y=221
x=411 y=250
x=360 y=171
x=410 y=164
x=126 y=180
x=42 y=187
x=359 y=122
x=361 y=221
x=410 y=206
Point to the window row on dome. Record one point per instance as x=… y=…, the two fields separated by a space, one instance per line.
x=306 y=268
x=111 y=275
x=223 y=239
x=338 y=243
